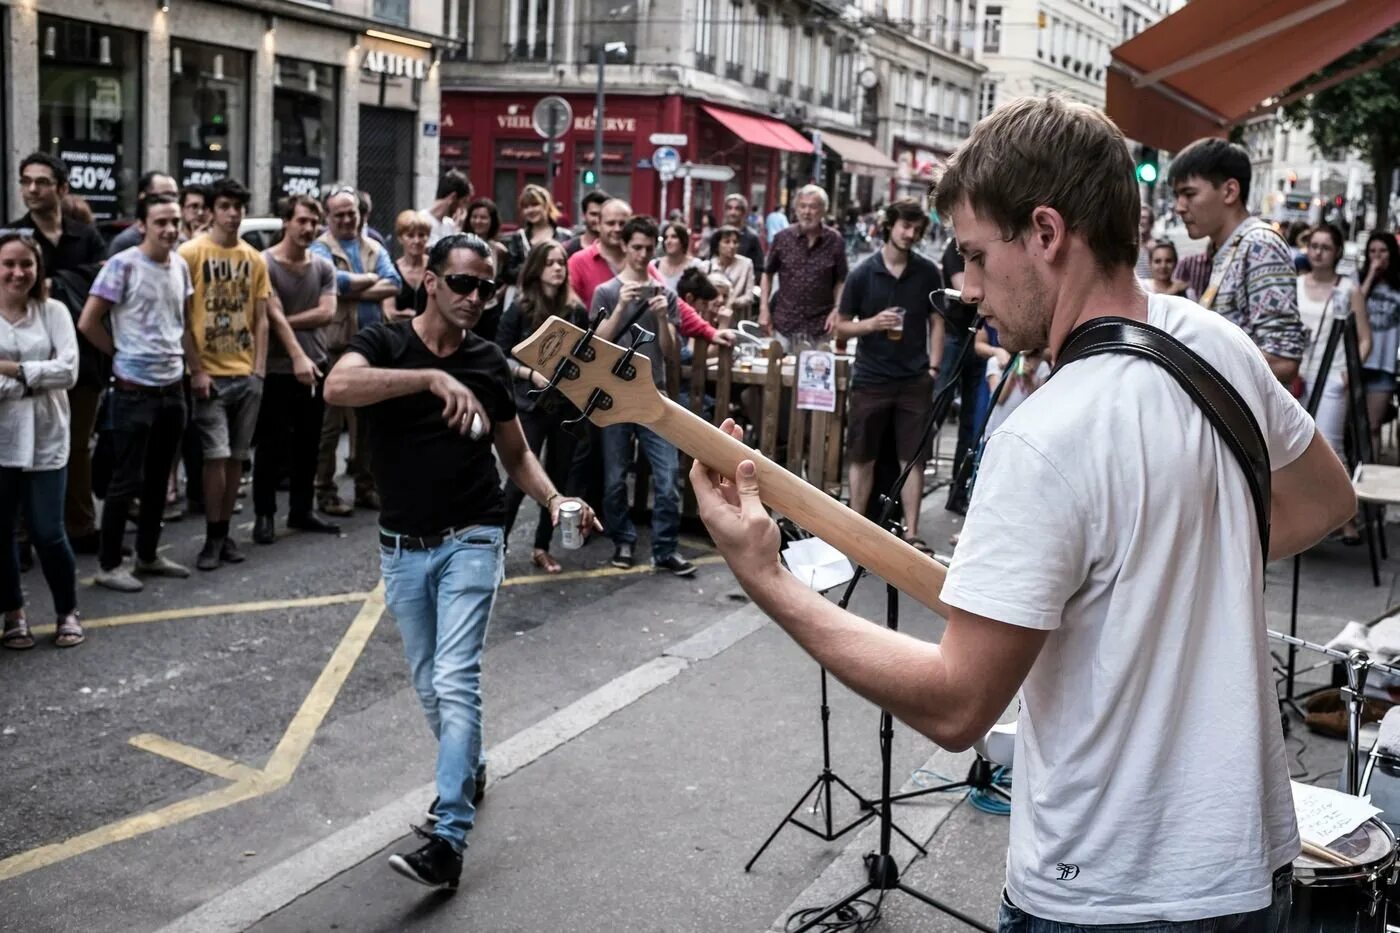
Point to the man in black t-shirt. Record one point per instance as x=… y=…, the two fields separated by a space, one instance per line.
x=886 y=306
x=438 y=399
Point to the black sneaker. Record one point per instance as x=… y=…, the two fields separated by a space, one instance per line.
x=478 y=794
x=622 y=557
x=675 y=564
x=231 y=553
x=436 y=864
x=208 y=558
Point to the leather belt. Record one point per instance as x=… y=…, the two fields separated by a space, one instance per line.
x=172 y=388
x=417 y=542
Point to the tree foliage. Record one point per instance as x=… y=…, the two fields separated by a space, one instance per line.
x=1361 y=113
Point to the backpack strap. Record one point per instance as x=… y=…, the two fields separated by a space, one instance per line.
x=1218 y=400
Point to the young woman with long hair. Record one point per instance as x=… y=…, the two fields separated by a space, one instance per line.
x=539 y=218
x=38 y=365
x=675 y=255
x=543 y=292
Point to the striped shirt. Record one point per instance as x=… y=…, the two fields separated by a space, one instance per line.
x=1255 y=288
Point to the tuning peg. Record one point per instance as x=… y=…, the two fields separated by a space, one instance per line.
x=624 y=369
x=567 y=369
x=598 y=399
x=582 y=350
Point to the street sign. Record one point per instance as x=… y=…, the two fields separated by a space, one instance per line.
x=666 y=160
x=552 y=117
x=669 y=139
x=706 y=172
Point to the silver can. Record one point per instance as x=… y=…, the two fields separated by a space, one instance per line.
x=571 y=524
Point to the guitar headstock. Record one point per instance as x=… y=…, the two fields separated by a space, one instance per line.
x=625 y=391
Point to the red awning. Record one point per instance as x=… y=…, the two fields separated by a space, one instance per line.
x=1209 y=65
x=760 y=131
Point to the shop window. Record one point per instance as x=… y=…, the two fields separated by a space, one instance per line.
x=305 y=128
x=208 y=112
x=90 y=109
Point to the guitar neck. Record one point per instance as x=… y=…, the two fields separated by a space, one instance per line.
x=911 y=571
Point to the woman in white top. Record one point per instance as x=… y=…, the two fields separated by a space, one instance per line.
x=675 y=255
x=38 y=365
x=1322 y=295
x=1161 y=263
x=737 y=269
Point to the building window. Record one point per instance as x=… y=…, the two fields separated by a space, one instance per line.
x=392 y=11
x=782 y=58
x=733 y=47
x=762 y=36
x=530 y=37
x=305 y=131
x=991 y=30
x=935 y=102
x=989 y=99
x=845 y=91
x=208 y=112
x=705 y=35
x=90 y=109
x=1040 y=36
x=804 y=64
x=826 y=72
x=918 y=100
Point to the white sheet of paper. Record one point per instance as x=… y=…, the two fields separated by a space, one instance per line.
x=817 y=564
x=1325 y=815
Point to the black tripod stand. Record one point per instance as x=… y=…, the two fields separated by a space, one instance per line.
x=883 y=869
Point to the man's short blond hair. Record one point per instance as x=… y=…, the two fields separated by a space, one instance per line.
x=1048 y=152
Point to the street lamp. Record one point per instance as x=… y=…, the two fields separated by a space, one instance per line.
x=604 y=50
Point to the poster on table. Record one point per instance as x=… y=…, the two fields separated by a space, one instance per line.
x=94 y=170
x=816 y=380
x=298 y=175
x=202 y=166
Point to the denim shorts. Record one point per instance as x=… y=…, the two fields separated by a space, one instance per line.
x=227 y=419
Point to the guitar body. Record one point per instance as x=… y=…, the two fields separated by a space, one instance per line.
x=613 y=386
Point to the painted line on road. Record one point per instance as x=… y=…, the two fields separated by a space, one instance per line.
x=274 y=888
x=276 y=774
x=192 y=757
x=221 y=609
x=599 y=572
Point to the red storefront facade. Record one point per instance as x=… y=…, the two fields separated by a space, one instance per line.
x=490 y=137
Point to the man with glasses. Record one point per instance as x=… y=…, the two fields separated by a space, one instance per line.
x=439 y=400
x=364 y=277
x=72 y=252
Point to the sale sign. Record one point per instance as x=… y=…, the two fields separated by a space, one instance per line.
x=93 y=170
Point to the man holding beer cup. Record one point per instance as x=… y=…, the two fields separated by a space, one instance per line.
x=899 y=348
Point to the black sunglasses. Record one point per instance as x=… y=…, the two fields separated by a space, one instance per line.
x=464 y=284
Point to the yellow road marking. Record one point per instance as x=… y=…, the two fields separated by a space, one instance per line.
x=192 y=757
x=250 y=784
x=222 y=609
x=596 y=572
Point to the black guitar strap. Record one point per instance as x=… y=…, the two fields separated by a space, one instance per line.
x=1217 y=399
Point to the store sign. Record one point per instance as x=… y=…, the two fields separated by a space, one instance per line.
x=93 y=170
x=201 y=166
x=299 y=175
x=387 y=63
x=582 y=124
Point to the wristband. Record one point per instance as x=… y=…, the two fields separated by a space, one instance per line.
x=552 y=497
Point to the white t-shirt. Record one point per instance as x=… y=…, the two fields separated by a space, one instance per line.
x=1314 y=315
x=441 y=228
x=148 y=315
x=1151 y=780
x=1013 y=395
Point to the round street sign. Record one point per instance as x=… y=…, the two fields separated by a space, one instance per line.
x=552 y=117
x=666 y=160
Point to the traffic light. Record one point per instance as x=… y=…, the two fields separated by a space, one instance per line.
x=590 y=177
x=1147 y=166
x=1339 y=201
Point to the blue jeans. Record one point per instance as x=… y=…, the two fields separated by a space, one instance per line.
x=666 y=500
x=1271 y=919
x=442 y=601
x=40 y=495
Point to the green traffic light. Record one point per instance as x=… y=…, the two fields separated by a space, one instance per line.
x=589 y=177
x=1147 y=173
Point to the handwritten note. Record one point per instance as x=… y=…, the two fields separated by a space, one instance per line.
x=1327 y=815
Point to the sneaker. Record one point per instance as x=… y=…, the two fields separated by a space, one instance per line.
x=332 y=504
x=208 y=558
x=119 y=579
x=478 y=794
x=435 y=864
x=230 y=553
x=675 y=564
x=622 y=556
x=161 y=567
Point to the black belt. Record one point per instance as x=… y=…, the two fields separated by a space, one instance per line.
x=123 y=385
x=417 y=542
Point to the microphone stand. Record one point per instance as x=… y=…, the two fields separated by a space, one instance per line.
x=883 y=870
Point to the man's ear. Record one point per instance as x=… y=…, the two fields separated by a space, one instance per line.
x=1047 y=233
x=1230 y=191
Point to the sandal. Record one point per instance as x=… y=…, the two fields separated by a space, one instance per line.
x=69 y=632
x=545 y=562
x=16 y=635
x=919 y=545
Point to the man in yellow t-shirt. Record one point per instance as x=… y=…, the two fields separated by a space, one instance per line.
x=227 y=323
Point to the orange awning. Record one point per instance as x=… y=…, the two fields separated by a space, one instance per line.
x=1209 y=65
x=857 y=155
x=760 y=131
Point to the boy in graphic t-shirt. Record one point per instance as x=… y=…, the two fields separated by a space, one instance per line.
x=228 y=322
